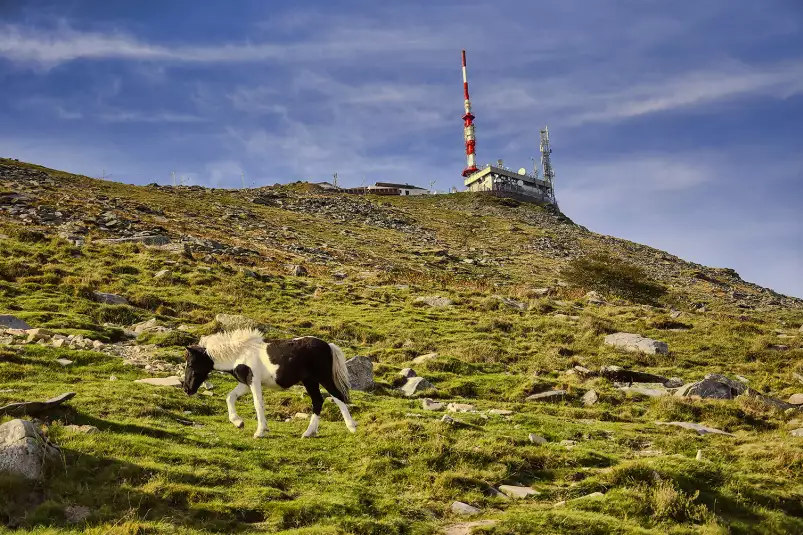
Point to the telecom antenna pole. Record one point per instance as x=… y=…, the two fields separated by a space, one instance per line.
x=242 y=178
x=546 y=164
x=468 y=127
x=334 y=180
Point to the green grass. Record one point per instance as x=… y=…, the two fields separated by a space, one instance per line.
x=148 y=471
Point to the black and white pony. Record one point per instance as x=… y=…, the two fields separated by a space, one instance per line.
x=255 y=363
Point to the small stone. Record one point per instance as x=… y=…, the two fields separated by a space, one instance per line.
x=112 y=378
x=301 y=416
x=59 y=342
x=699 y=456
x=500 y=412
x=460 y=407
x=464 y=509
x=64 y=362
x=407 y=372
x=207 y=385
x=110 y=299
x=416 y=385
x=551 y=395
x=75 y=514
x=430 y=405
x=582 y=371
x=568 y=443
x=797 y=432
x=796 y=399
x=648 y=392
x=423 y=358
x=434 y=301
x=703 y=430
x=590 y=398
x=162 y=274
x=162 y=381
x=34 y=335
x=207 y=393
x=537 y=439
x=516 y=491
x=97 y=344
x=298 y=270
x=85 y=429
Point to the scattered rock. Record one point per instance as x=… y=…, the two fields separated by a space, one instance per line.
x=464 y=509
x=516 y=491
x=430 y=405
x=151 y=325
x=699 y=456
x=569 y=444
x=58 y=342
x=423 y=358
x=407 y=373
x=361 y=373
x=590 y=398
x=648 y=392
x=702 y=429
x=550 y=395
x=594 y=298
x=795 y=399
x=35 y=407
x=537 y=439
x=163 y=274
x=637 y=343
x=541 y=292
x=85 y=429
x=301 y=416
x=110 y=299
x=434 y=301
x=24 y=450
x=75 y=514
x=162 y=381
x=298 y=271
x=713 y=386
x=460 y=407
x=34 y=335
x=415 y=386
x=797 y=432
x=12 y=322
x=64 y=362
x=500 y=412
x=511 y=303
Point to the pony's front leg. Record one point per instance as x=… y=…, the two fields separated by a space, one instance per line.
x=259 y=407
x=231 y=401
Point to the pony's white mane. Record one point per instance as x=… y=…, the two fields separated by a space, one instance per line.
x=226 y=346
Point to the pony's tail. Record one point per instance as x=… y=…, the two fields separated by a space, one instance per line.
x=340 y=372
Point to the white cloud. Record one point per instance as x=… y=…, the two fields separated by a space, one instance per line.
x=132 y=116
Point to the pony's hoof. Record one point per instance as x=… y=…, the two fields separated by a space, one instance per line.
x=352 y=427
x=309 y=435
x=260 y=435
x=238 y=423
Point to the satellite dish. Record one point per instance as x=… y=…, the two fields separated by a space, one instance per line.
x=522 y=171
x=520 y=182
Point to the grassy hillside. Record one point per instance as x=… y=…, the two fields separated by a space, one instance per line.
x=352 y=270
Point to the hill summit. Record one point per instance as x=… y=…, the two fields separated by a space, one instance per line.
x=524 y=374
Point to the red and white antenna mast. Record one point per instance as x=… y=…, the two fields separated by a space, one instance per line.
x=468 y=128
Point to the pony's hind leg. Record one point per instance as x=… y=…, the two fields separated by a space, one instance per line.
x=231 y=401
x=338 y=398
x=314 y=392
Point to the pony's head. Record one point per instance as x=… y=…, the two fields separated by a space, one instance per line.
x=199 y=364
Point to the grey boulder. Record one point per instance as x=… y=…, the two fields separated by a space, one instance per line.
x=361 y=373
x=23 y=450
x=637 y=343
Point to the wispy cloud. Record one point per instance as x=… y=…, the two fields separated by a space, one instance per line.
x=28 y=44
x=130 y=116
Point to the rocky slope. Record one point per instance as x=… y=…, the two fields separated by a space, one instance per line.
x=512 y=367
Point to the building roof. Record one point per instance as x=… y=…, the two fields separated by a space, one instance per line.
x=391 y=185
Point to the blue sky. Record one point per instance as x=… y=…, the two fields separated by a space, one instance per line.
x=674 y=124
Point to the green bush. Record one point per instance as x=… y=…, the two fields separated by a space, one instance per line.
x=614 y=277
